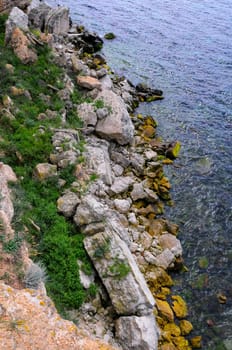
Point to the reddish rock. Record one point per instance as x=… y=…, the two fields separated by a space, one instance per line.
x=21 y=47
x=88 y=82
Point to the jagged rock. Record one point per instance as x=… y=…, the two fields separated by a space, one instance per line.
x=21 y=47
x=44 y=171
x=45 y=331
x=87 y=114
x=98 y=161
x=120 y=158
x=106 y=82
x=121 y=184
x=101 y=73
x=88 y=82
x=78 y=66
x=120 y=275
x=122 y=205
x=37 y=16
x=57 y=20
x=67 y=204
x=117 y=125
x=150 y=155
x=140 y=191
x=90 y=210
x=33 y=4
x=93 y=42
x=137 y=162
x=169 y=241
x=117 y=169
x=16 y=19
x=94 y=228
x=137 y=333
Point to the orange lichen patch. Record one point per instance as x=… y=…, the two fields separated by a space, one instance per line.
x=196 y=342
x=45 y=331
x=148 y=132
x=222 y=299
x=181 y=343
x=186 y=327
x=168 y=346
x=167 y=161
x=179 y=306
x=172 y=329
x=162 y=293
x=165 y=310
x=164 y=182
x=157 y=227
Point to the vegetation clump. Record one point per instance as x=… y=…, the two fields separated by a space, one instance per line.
x=25 y=141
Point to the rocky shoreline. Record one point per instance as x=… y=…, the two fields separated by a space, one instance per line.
x=120 y=190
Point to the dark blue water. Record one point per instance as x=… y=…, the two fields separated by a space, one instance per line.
x=185 y=48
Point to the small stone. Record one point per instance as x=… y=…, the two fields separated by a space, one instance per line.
x=186 y=327
x=169 y=241
x=179 y=306
x=122 y=205
x=150 y=155
x=67 y=204
x=132 y=219
x=121 y=184
x=9 y=68
x=16 y=91
x=222 y=299
x=44 y=171
x=7 y=101
x=88 y=82
x=102 y=113
x=196 y=342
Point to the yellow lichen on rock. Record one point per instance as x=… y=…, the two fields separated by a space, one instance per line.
x=168 y=346
x=165 y=310
x=186 y=327
x=172 y=329
x=181 y=343
x=196 y=342
x=179 y=306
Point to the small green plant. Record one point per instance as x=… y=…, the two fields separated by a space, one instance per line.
x=12 y=245
x=119 y=269
x=102 y=250
x=99 y=104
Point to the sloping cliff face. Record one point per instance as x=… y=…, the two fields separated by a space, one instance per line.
x=6 y=5
x=30 y=321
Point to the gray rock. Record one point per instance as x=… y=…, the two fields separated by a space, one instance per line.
x=117 y=169
x=17 y=18
x=94 y=228
x=140 y=191
x=88 y=82
x=101 y=73
x=117 y=125
x=87 y=114
x=78 y=66
x=121 y=184
x=122 y=205
x=98 y=161
x=90 y=210
x=57 y=20
x=137 y=333
x=37 y=16
x=137 y=162
x=120 y=274
x=106 y=82
x=102 y=113
x=33 y=4
x=67 y=204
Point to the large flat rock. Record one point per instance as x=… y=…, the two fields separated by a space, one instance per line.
x=119 y=273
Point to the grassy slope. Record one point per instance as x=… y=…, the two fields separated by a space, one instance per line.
x=22 y=146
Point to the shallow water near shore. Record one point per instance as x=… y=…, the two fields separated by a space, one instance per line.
x=184 y=48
